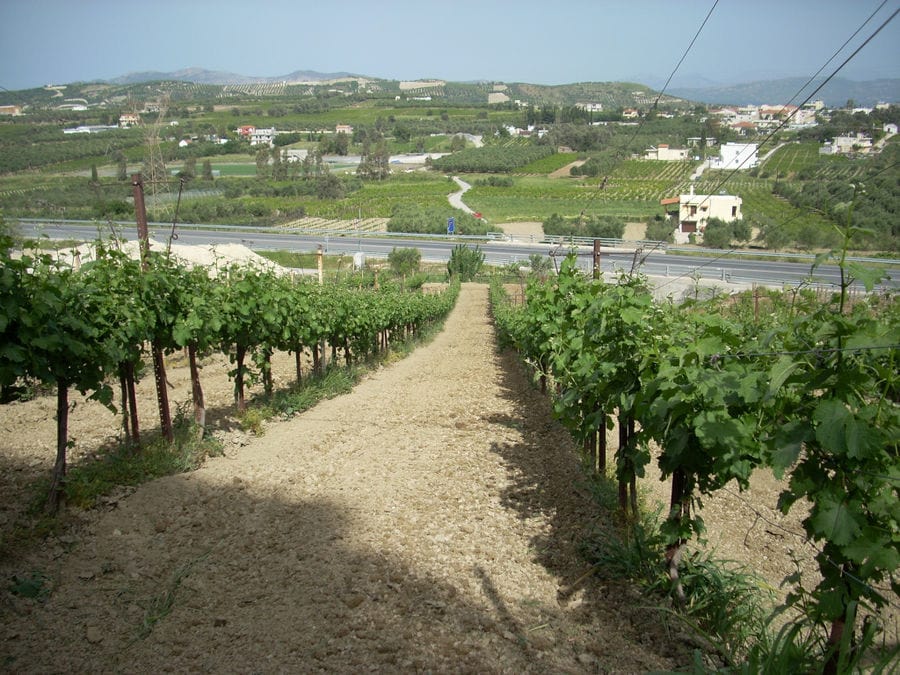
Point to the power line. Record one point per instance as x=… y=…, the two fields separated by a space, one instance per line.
x=838 y=51
x=791 y=115
x=807 y=83
x=796 y=216
x=805 y=101
x=686 y=51
x=782 y=224
x=814 y=350
x=660 y=94
x=699 y=267
x=806 y=539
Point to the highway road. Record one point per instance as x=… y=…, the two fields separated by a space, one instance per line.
x=725 y=268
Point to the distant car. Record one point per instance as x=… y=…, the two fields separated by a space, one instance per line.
x=477 y=215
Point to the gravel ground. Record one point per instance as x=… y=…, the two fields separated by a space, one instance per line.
x=427 y=521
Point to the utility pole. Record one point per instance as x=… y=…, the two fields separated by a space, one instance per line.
x=596 y=259
x=159 y=366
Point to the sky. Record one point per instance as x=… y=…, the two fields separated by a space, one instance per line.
x=62 y=41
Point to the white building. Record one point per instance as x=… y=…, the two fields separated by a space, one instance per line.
x=89 y=129
x=735 y=156
x=847 y=145
x=694 y=211
x=664 y=153
x=296 y=154
x=262 y=136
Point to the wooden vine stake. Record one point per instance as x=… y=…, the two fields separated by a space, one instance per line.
x=159 y=366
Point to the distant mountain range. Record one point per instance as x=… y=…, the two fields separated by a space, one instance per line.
x=202 y=76
x=836 y=93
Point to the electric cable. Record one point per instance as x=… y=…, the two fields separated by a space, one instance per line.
x=805 y=101
x=718 y=186
x=665 y=86
x=624 y=148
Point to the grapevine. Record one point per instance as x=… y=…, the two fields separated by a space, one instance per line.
x=811 y=392
x=82 y=328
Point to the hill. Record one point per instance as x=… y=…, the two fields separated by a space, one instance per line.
x=195 y=85
x=202 y=76
x=836 y=93
x=198 y=83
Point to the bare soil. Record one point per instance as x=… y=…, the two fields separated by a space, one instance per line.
x=565 y=172
x=635 y=232
x=534 y=229
x=428 y=521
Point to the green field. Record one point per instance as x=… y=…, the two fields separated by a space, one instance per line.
x=535 y=198
x=549 y=164
x=229 y=168
x=633 y=192
x=377 y=199
x=47 y=173
x=802 y=160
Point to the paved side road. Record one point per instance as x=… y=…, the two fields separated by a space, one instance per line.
x=455 y=198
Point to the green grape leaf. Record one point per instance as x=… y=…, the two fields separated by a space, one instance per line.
x=874 y=550
x=835 y=522
x=832 y=417
x=780 y=372
x=788 y=444
x=869 y=276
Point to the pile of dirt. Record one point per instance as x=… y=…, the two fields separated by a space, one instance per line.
x=209 y=256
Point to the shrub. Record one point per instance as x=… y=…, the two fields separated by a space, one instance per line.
x=720 y=234
x=412 y=218
x=404 y=261
x=465 y=262
x=599 y=227
x=660 y=229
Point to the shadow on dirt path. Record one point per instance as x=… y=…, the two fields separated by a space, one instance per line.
x=424 y=522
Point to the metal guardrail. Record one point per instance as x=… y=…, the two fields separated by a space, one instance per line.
x=265 y=230
x=775 y=256
x=558 y=240
x=561 y=240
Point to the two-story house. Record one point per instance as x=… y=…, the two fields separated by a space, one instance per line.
x=735 y=156
x=694 y=211
x=847 y=145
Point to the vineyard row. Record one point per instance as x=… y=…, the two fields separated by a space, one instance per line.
x=718 y=389
x=83 y=329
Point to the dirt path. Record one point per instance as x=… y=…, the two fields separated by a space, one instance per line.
x=424 y=522
x=565 y=172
